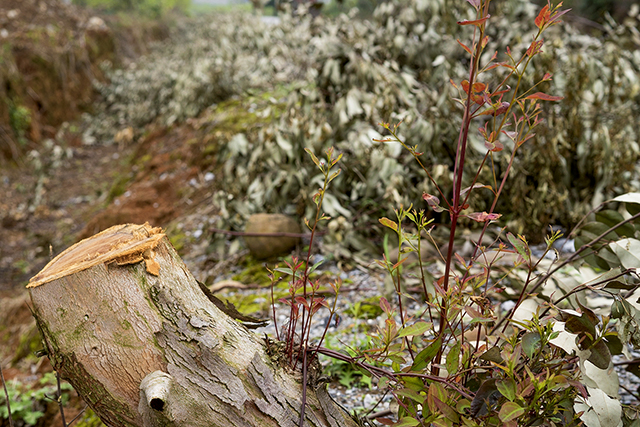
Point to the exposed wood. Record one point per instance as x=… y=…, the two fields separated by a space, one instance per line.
x=125 y=322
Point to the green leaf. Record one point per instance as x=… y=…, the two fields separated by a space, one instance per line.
x=617 y=284
x=32 y=417
x=530 y=344
x=383 y=383
x=487 y=393
x=492 y=355
x=435 y=393
x=609 y=257
x=628 y=325
x=507 y=387
x=627 y=251
x=407 y=422
x=593 y=229
x=446 y=410
x=334 y=175
x=510 y=411
x=418 y=328
x=618 y=309
x=579 y=324
x=610 y=218
x=411 y=394
x=313 y=157
x=600 y=355
x=453 y=358
x=389 y=223
x=316 y=265
x=413 y=382
x=613 y=343
x=426 y=356
x=519 y=245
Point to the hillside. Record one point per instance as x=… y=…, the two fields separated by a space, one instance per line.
x=197 y=125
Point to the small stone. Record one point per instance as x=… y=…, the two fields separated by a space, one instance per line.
x=266 y=247
x=97 y=24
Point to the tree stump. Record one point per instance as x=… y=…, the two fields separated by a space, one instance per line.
x=125 y=322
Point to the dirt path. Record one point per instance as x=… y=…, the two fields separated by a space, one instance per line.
x=48 y=209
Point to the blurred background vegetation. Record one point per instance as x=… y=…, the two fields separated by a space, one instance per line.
x=589 y=12
x=584 y=10
x=151 y=8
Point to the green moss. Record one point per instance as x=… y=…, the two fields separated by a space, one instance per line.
x=176 y=236
x=254 y=272
x=19 y=120
x=89 y=419
x=251 y=303
x=118 y=187
x=30 y=342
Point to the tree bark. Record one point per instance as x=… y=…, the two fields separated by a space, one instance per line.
x=124 y=321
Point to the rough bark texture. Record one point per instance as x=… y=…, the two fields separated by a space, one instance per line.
x=127 y=325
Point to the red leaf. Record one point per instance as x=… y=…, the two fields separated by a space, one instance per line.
x=544 y=97
x=460 y=259
x=543 y=17
x=534 y=48
x=547 y=76
x=511 y=134
x=506 y=65
x=385 y=306
x=502 y=108
x=494 y=146
x=478 y=99
x=479 y=87
x=476 y=185
x=433 y=202
x=555 y=19
x=465 y=47
x=474 y=3
x=528 y=137
x=476 y=22
x=483 y=216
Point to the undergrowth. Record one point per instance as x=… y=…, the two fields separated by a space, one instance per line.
x=465 y=359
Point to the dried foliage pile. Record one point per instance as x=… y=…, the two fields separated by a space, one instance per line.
x=345 y=76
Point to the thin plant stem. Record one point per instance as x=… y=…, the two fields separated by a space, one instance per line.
x=304 y=389
x=6 y=395
x=74 y=419
x=59 y=400
x=573 y=257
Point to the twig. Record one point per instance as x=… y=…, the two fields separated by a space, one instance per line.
x=78 y=416
x=304 y=387
x=279 y=234
x=370 y=415
x=630 y=392
x=628 y=362
x=543 y=279
x=6 y=394
x=59 y=399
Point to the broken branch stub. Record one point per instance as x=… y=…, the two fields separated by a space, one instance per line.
x=125 y=322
